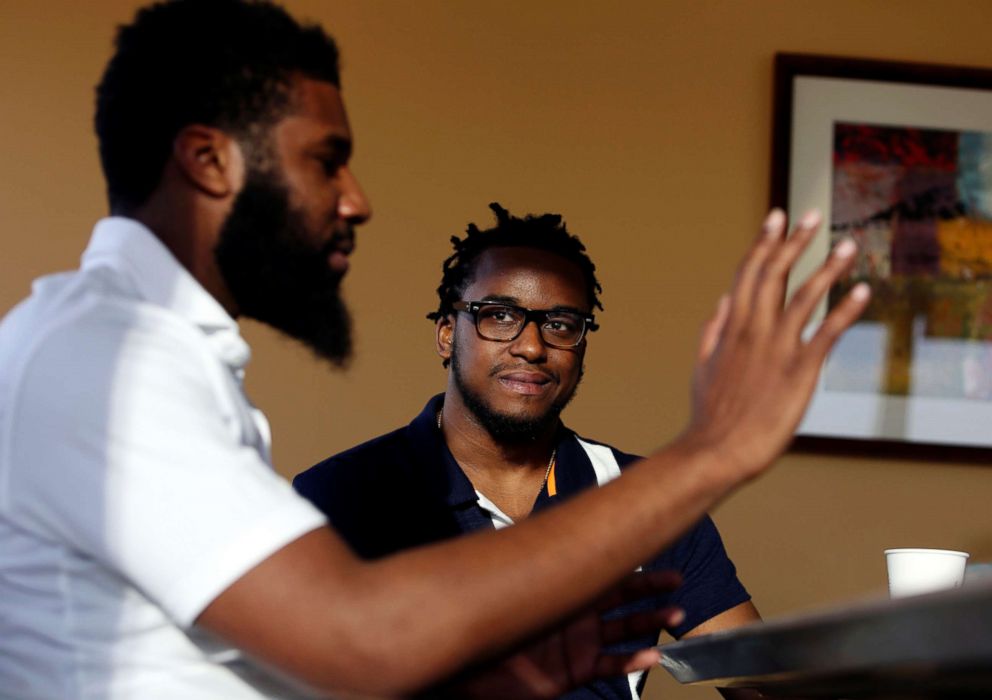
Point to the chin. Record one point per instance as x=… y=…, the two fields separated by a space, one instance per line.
x=523 y=408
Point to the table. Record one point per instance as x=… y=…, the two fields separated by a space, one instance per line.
x=937 y=645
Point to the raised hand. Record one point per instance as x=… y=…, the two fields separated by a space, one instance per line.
x=755 y=373
x=573 y=654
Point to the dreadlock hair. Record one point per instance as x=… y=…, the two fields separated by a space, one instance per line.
x=545 y=232
x=221 y=63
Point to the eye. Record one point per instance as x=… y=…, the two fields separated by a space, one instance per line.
x=331 y=153
x=330 y=165
x=565 y=325
x=501 y=315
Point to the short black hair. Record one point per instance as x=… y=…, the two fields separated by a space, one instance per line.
x=544 y=232
x=222 y=63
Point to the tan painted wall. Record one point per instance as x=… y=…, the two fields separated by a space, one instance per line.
x=646 y=124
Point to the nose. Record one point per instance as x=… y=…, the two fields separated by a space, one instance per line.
x=353 y=205
x=529 y=345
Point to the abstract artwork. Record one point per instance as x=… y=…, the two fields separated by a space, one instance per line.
x=918 y=202
x=898 y=157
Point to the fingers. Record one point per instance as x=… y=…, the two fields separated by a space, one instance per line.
x=748 y=274
x=638 y=624
x=806 y=298
x=769 y=297
x=643 y=660
x=618 y=664
x=638 y=586
x=760 y=289
x=839 y=319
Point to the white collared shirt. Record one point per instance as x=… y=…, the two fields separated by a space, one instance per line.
x=135 y=483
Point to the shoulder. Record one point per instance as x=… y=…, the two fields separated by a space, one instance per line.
x=94 y=377
x=621 y=458
x=92 y=308
x=80 y=338
x=382 y=496
x=373 y=460
x=703 y=536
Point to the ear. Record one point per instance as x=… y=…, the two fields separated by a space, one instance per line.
x=210 y=160
x=444 y=330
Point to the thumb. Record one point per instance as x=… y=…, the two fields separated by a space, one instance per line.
x=713 y=329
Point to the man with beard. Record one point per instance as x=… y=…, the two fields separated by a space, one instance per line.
x=148 y=550
x=516 y=305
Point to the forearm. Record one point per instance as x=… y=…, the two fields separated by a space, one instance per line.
x=400 y=624
x=508 y=583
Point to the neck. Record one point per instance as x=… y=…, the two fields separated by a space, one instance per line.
x=190 y=233
x=510 y=474
x=471 y=443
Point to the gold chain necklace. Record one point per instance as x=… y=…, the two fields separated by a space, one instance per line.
x=547 y=472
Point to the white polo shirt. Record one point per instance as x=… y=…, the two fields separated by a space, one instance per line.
x=135 y=482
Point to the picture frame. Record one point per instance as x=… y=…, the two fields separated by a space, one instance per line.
x=898 y=156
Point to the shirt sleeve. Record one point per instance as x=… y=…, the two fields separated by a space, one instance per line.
x=127 y=446
x=709 y=578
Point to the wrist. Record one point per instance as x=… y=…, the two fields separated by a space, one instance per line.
x=718 y=463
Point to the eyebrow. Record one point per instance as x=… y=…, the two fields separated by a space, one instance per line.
x=514 y=301
x=500 y=299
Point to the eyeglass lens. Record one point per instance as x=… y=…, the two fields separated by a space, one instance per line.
x=499 y=322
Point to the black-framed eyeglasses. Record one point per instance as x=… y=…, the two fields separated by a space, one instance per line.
x=504 y=322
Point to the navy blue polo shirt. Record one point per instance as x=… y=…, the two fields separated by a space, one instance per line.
x=404 y=489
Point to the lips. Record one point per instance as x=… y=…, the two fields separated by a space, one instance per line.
x=344 y=244
x=337 y=250
x=338 y=262
x=526 y=382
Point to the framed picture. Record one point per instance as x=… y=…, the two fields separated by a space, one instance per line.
x=897 y=156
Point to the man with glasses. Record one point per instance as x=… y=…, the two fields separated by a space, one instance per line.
x=516 y=304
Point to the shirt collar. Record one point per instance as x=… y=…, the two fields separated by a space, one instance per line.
x=573 y=470
x=129 y=247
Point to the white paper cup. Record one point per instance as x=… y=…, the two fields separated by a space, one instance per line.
x=915 y=571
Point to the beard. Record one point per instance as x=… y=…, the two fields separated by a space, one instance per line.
x=506 y=427
x=277 y=276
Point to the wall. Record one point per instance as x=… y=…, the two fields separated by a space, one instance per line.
x=646 y=124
